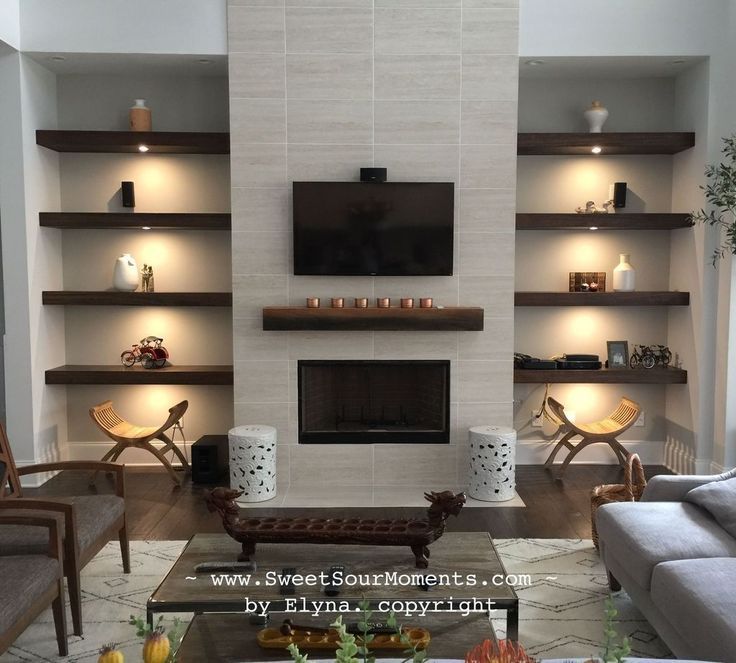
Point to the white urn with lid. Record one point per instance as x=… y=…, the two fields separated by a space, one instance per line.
x=596 y=117
x=125 y=273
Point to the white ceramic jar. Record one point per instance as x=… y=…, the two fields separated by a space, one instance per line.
x=624 y=275
x=125 y=273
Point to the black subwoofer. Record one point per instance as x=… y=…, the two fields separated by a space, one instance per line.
x=210 y=459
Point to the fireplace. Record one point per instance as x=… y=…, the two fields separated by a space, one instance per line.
x=374 y=401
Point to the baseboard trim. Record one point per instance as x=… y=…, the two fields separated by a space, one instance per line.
x=132 y=457
x=528 y=452
x=532 y=452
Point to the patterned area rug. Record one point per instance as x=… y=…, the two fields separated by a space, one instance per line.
x=560 y=611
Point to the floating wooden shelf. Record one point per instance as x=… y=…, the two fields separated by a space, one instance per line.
x=611 y=143
x=654 y=298
x=158 y=142
x=300 y=318
x=115 y=298
x=604 y=376
x=134 y=220
x=618 y=221
x=118 y=374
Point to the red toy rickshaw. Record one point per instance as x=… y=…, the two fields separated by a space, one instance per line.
x=149 y=352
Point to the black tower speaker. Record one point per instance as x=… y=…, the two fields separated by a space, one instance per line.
x=619 y=194
x=210 y=458
x=127 y=190
x=373 y=174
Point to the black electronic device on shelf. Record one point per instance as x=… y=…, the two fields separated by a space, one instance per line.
x=533 y=363
x=578 y=362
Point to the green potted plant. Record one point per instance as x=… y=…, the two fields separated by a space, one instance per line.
x=720 y=194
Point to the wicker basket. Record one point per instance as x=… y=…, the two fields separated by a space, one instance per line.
x=628 y=491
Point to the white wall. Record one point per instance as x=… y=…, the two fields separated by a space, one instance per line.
x=625 y=27
x=15 y=261
x=129 y=26
x=10 y=23
x=29 y=183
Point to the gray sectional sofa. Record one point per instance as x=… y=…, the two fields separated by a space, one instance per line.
x=677 y=562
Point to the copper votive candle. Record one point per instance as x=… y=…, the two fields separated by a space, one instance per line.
x=337 y=302
x=426 y=302
x=383 y=302
x=407 y=302
x=361 y=302
x=312 y=302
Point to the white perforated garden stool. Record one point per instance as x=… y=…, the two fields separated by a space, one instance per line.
x=253 y=462
x=492 y=463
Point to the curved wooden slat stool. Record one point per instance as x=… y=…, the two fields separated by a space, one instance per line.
x=605 y=431
x=128 y=435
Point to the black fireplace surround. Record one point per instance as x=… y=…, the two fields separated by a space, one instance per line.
x=363 y=402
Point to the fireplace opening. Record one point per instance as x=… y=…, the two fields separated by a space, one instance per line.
x=374 y=401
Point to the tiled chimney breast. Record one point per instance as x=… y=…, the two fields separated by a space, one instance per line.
x=427 y=89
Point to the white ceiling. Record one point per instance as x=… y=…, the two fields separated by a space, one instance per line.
x=606 y=67
x=132 y=64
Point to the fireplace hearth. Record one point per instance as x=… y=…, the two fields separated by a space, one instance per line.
x=374 y=401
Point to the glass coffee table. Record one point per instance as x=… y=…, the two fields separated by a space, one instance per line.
x=465 y=575
x=230 y=638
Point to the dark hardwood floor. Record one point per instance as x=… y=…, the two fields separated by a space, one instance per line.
x=555 y=509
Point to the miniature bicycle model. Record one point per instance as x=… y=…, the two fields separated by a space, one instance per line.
x=648 y=356
x=148 y=352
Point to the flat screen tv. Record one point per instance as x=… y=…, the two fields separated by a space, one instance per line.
x=373 y=228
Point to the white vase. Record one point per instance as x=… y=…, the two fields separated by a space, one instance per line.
x=125 y=274
x=596 y=116
x=624 y=275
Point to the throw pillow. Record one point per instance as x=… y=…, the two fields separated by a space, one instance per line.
x=719 y=499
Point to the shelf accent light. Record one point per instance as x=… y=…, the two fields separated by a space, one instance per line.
x=593 y=228
x=596 y=149
x=145 y=227
x=143 y=148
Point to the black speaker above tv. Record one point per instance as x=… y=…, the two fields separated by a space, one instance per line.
x=374 y=228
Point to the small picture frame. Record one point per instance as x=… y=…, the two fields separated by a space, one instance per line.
x=618 y=354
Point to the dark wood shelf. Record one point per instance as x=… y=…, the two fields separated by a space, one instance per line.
x=603 y=376
x=158 y=142
x=118 y=374
x=618 y=221
x=653 y=298
x=134 y=220
x=116 y=298
x=669 y=142
x=301 y=318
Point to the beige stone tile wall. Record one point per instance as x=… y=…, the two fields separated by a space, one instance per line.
x=428 y=89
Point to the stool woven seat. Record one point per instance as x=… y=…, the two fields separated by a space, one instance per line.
x=126 y=435
x=604 y=431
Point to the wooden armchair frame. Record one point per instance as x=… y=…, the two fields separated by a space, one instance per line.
x=604 y=431
x=54 y=595
x=126 y=435
x=74 y=560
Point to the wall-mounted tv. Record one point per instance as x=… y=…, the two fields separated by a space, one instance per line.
x=373 y=228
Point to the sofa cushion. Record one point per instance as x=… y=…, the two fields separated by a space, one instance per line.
x=25 y=579
x=698 y=599
x=640 y=535
x=718 y=498
x=94 y=513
